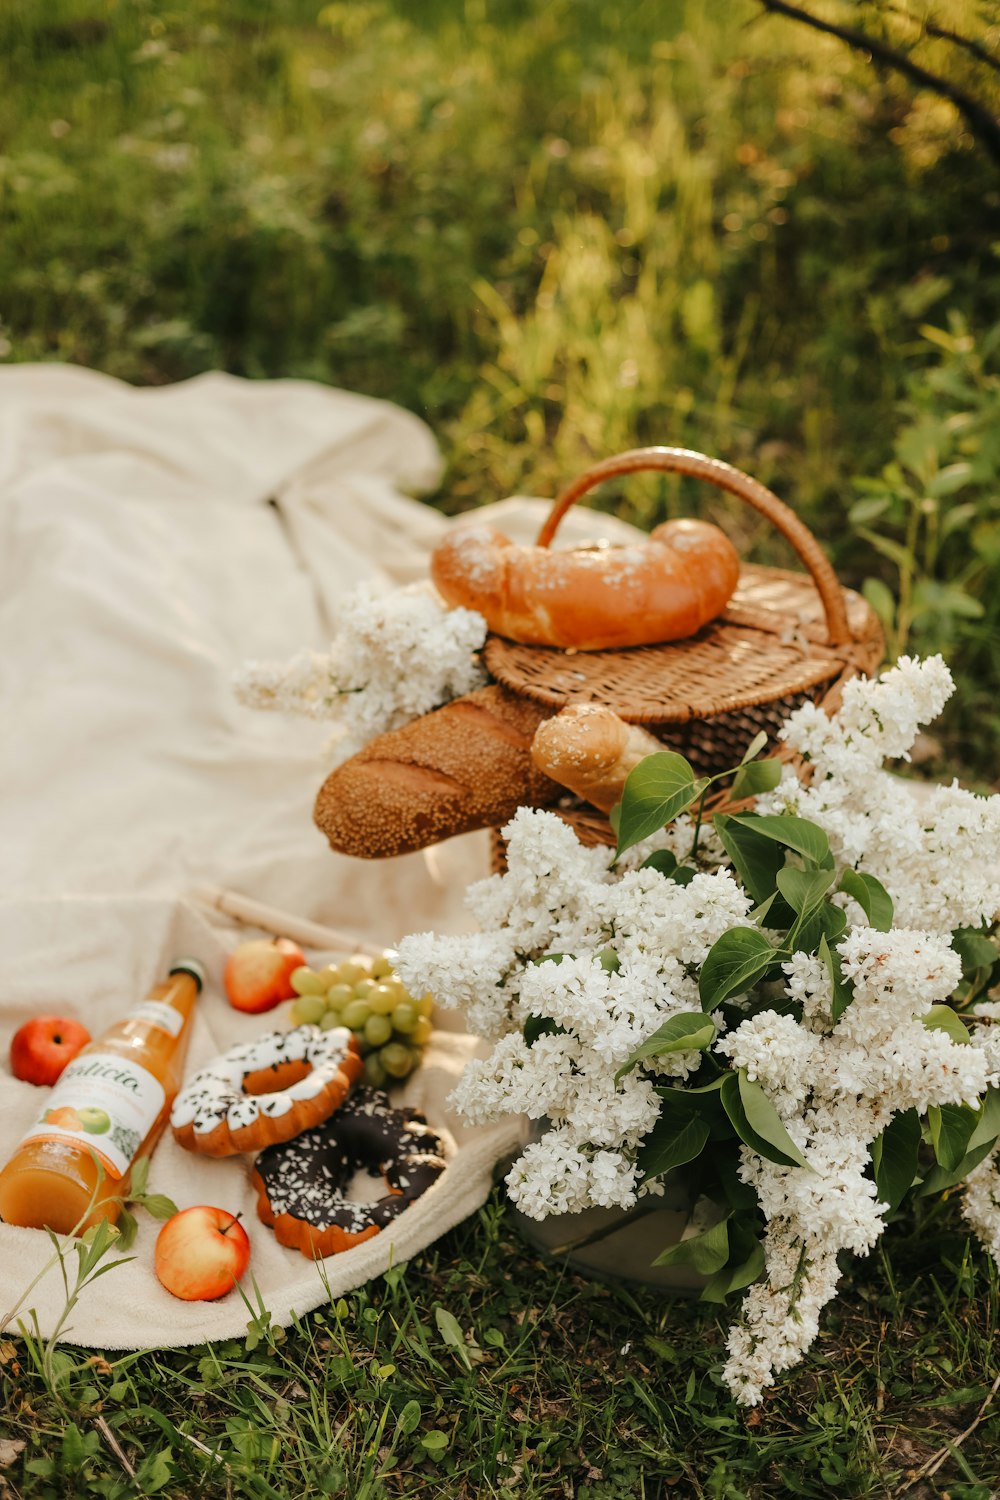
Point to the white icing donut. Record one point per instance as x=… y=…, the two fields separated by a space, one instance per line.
x=215 y=1114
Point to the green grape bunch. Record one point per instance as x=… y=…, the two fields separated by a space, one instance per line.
x=365 y=994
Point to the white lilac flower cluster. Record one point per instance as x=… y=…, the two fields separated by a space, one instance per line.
x=836 y=1087
x=607 y=959
x=928 y=852
x=632 y=943
x=395 y=657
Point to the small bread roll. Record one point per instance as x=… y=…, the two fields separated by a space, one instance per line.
x=590 y=750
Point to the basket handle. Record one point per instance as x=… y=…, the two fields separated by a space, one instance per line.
x=724 y=477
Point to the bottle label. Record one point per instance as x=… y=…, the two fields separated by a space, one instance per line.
x=104 y=1103
x=157 y=1013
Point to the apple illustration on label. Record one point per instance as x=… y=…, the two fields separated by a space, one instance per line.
x=40 y=1049
x=258 y=973
x=201 y=1253
x=94 y=1121
x=63 y=1117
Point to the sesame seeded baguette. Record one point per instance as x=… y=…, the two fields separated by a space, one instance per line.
x=465 y=766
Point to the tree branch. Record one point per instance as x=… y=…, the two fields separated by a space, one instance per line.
x=983 y=125
x=966 y=43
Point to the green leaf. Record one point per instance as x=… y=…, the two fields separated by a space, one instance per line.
x=435 y=1442
x=735 y=1278
x=449 y=1327
x=868 y=509
x=799 y=834
x=843 y=989
x=734 y=961
x=111 y=1265
x=740 y=1195
x=662 y=860
x=666 y=1147
x=93 y=1244
x=409 y=1418
x=958 y=517
x=705 y=1253
x=757 y=915
x=755 y=858
x=943 y=1018
x=686 y=1090
x=451 y=1332
x=986 y=541
x=988 y=1127
x=128 y=1228
x=804 y=889
x=666 y=863
x=934 y=599
x=894 y=551
x=755 y=746
x=690 y=1030
x=895 y=1156
x=759 y=776
x=678 y=1106
x=155 y=1471
x=833 y=922
x=536 y=1026
x=939 y=1178
x=757 y=1122
x=951 y=1127
x=748 y=1270
x=139 y=1176
x=974 y=949
x=764 y=1120
x=871 y=895
x=950 y=480
x=661 y=786
x=881 y=599
x=159 y=1205
x=78 y=1447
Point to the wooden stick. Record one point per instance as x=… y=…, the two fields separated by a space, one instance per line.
x=936 y=1460
x=114 y=1445
x=282 y=923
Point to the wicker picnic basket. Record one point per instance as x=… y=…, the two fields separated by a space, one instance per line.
x=785 y=637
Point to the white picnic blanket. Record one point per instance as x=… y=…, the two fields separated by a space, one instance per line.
x=151 y=541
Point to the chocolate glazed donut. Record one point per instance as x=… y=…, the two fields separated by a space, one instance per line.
x=301 y=1183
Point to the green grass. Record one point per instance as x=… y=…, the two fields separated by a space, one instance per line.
x=552 y=236
x=554 y=231
x=479 y=1371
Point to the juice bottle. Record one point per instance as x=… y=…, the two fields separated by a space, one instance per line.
x=109 y=1106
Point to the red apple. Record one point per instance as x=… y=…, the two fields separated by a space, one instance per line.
x=201 y=1253
x=257 y=974
x=41 y=1048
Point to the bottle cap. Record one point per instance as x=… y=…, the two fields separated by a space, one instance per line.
x=189 y=966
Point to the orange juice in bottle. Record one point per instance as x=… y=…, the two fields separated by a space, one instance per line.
x=108 y=1106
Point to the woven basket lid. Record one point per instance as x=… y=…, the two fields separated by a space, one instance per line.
x=782 y=634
